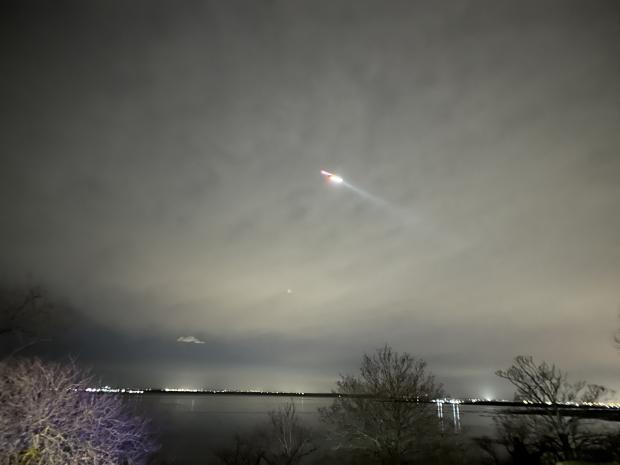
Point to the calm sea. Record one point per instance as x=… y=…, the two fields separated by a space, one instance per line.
x=190 y=427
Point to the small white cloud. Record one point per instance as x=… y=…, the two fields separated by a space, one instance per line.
x=190 y=339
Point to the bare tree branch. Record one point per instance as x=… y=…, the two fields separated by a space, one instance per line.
x=47 y=417
x=551 y=432
x=384 y=411
x=282 y=441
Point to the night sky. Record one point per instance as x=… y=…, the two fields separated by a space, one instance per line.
x=160 y=175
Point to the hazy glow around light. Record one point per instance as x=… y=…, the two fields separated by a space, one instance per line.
x=331 y=177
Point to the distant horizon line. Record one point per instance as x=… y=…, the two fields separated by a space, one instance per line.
x=256 y=392
x=163 y=390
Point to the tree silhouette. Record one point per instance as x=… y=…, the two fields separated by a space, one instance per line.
x=284 y=440
x=48 y=417
x=384 y=412
x=549 y=433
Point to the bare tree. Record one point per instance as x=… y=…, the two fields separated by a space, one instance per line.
x=385 y=411
x=284 y=440
x=551 y=434
x=47 y=417
x=291 y=441
x=515 y=436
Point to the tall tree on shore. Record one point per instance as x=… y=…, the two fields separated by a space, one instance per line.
x=549 y=435
x=384 y=412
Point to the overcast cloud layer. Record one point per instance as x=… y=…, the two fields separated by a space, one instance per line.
x=160 y=171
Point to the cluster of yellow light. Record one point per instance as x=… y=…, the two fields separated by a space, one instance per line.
x=235 y=391
x=111 y=390
x=447 y=400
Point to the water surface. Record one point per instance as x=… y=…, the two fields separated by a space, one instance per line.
x=191 y=426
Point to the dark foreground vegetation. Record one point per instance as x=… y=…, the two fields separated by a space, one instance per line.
x=47 y=417
x=381 y=416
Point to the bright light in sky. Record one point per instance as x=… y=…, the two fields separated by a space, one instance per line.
x=335 y=179
x=331 y=177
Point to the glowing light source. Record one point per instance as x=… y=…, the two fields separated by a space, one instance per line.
x=331 y=177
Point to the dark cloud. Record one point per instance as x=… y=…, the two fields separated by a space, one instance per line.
x=160 y=169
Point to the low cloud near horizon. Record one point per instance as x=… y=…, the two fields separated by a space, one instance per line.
x=190 y=340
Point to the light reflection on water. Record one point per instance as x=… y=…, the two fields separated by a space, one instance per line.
x=191 y=426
